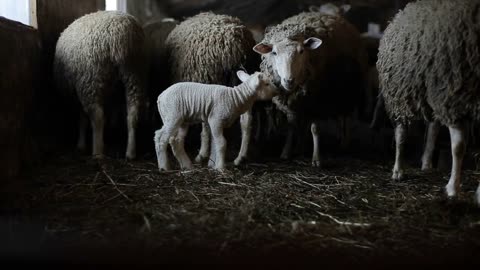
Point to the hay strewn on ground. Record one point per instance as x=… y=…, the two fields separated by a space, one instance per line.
x=349 y=210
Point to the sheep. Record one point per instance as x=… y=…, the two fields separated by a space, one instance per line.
x=218 y=106
x=209 y=48
x=92 y=55
x=156 y=33
x=429 y=70
x=320 y=61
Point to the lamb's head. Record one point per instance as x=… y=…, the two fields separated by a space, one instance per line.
x=290 y=58
x=263 y=85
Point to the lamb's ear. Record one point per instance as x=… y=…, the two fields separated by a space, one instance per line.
x=312 y=43
x=242 y=75
x=263 y=48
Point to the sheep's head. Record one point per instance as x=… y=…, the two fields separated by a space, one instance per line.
x=290 y=58
x=262 y=84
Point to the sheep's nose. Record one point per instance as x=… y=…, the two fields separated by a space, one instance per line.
x=289 y=81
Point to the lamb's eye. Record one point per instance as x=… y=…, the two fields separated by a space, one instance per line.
x=301 y=51
x=274 y=53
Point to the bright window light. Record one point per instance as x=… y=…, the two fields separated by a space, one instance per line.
x=17 y=10
x=120 y=5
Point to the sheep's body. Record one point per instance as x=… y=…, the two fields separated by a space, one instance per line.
x=336 y=71
x=156 y=34
x=92 y=55
x=209 y=48
x=186 y=103
x=429 y=69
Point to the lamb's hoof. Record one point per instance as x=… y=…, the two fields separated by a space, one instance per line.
x=397 y=175
x=187 y=167
x=239 y=161
x=199 y=159
x=220 y=169
x=163 y=167
x=451 y=191
x=98 y=157
x=316 y=163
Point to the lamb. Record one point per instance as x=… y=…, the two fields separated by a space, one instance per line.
x=320 y=61
x=429 y=70
x=209 y=48
x=218 y=106
x=92 y=55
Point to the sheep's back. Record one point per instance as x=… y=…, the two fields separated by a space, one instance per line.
x=429 y=62
x=207 y=48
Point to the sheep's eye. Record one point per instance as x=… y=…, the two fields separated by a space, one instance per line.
x=274 y=53
x=301 y=51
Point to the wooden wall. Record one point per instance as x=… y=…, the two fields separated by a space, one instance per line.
x=20 y=51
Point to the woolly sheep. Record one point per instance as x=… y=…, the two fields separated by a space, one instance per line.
x=218 y=106
x=209 y=48
x=156 y=33
x=320 y=61
x=429 y=69
x=92 y=54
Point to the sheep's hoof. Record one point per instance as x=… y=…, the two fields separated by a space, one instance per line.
x=397 y=175
x=239 y=161
x=199 y=159
x=131 y=157
x=451 y=191
x=187 y=167
x=427 y=166
x=316 y=163
x=285 y=156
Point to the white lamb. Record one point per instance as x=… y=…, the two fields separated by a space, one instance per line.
x=186 y=103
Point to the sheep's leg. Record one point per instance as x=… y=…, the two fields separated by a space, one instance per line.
x=178 y=147
x=220 y=145
x=400 y=136
x=258 y=126
x=458 y=134
x=133 y=81
x=287 y=149
x=270 y=122
x=246 y=125
x=432 y=134
x=212 y=160
x=82 y=132
x=132 y=122
x=316 y=162
x=204 y=144
x=98 y=125
x=162 y=137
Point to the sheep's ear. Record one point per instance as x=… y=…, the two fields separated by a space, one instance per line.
x=263 y=48
x=242 y=75
x=312 y=43
x=314 y=9
x=345 y=8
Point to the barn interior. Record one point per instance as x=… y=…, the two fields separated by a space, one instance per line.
x=60 y=205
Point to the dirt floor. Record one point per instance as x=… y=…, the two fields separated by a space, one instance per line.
x=80 y=210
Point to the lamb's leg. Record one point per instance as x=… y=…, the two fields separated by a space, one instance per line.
x=205 y=141
x=82 y=132
x=433 y=129
x=220 y=145
x=458 y=134
x=316 y=162
x=212 y=160
x=98 y=125
x=178 y=147
x=292 y=124
x=270 y=122
x=161 y=139
x=246 y=125
x=258 y=124
x=132 y=122
x=400 y=136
